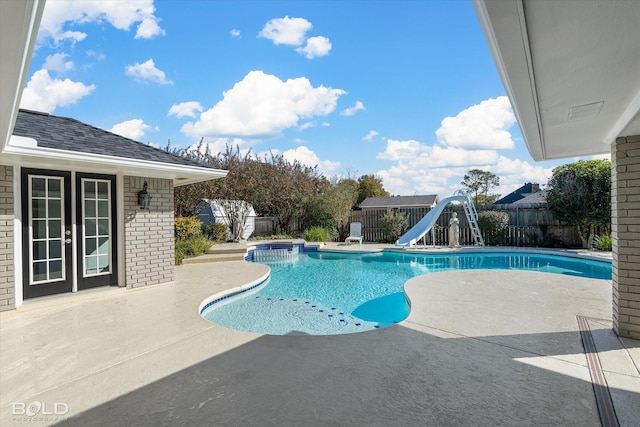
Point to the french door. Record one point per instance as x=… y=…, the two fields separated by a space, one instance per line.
x=48 y=232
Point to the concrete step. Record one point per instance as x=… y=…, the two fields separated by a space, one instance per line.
x=227 y=249
x=216 y=257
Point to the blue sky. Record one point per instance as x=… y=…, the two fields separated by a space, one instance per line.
x=406 y=90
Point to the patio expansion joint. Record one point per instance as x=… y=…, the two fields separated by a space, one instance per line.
x=166 y=344
x=606 y=410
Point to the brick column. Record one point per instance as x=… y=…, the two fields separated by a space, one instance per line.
x=148 y=235
x=625 y=219
x=7 y=268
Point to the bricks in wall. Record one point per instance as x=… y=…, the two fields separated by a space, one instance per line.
x=7 y=271
x=625 y=205
x=149 y=237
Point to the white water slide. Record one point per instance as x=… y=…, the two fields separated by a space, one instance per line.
x=418 y=231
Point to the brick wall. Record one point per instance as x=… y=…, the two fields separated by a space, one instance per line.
x=148 y=235
x=7 y=275
x=625 y=221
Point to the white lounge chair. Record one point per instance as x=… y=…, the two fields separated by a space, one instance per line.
x=355 y=233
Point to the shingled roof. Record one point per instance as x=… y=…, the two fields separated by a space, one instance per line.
x=64 y=133
x=399 y=201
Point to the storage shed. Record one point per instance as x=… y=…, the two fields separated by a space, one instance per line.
x=218 y=211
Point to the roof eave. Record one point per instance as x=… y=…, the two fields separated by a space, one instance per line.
x=19 y=26
x=20 y=155
x=512 y=56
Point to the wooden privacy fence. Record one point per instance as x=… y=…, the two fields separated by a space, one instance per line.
x=268 y=226
x=529 y=225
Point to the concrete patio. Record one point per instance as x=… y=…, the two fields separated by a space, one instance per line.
x=479 y=348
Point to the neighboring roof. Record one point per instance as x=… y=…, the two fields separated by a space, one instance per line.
x=520 y=193
x=400 y=201
x=570 y=69
x=535 y=198
x=69 y=143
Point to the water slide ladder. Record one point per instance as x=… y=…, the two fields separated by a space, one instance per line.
x=472 y=217
x=418 y=231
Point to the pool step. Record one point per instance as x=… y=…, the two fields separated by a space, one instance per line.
x=219 y=253
x=217 y=257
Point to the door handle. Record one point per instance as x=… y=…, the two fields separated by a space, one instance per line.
x=67 y=241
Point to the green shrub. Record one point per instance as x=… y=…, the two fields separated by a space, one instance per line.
x=317 y=234
x=199 y=245
x=216 y=231
x=186 y=227
x=493 y=225
x=181 y=251
x=192 y=246
x=604 y=242
x=394 y=224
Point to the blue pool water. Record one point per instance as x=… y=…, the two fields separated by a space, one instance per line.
x=324 y=293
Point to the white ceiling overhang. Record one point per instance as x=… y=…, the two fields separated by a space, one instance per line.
x=24 y=152
x=571 y=69
x=19 y=24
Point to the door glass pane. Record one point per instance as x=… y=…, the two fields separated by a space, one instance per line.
x=103 y=190
x=103 y=208
x=90 y=266
x=39 y=229
x=54 y=188
x=39 y=271
x=55 y=248
x=90 y=227
x=39 y=208
x=90 y=246
x=89 y=208
x=103 y=227
x=55 y=208
x=103 y=263
x=55 y=269
x=46 y=218
x=38 y=187
x=40 y=250
x=89 y=189
x=103 y=245
x=55 y=228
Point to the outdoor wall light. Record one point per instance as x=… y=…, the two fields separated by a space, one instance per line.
x=144 y=198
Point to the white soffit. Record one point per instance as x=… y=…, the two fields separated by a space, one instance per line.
x=571 y=69
x=23 y=151
x=19 y=24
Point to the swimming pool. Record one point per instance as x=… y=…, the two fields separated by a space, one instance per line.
x=324 y=293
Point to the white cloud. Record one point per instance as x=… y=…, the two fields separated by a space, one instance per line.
x=234 y=33
x=185 y=109
x=484 y=125
x=261 y=105
x=43 y=93
x=307 y=125
x=133 y=129
x=288 y=31
x=369 y=137
x=57 y=62
x=147 y=71
x=309 y=158
x=316 y=47
x=149 y=28
x=122 y=14
x=351 y=111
